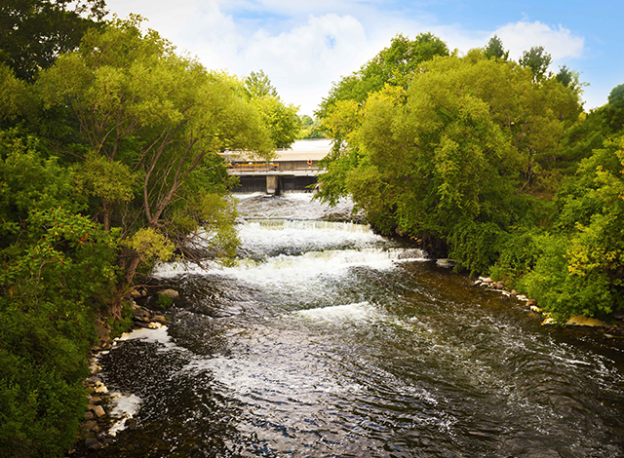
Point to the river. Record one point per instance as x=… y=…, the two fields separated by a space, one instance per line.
x=327 y=340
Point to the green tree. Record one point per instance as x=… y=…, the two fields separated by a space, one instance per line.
x=614 y=111
x=58 y=270
x=258 y=84
x=392 y=65
x=455 y=159
x=538 y=60
x=280 y=119
x=494 y=49
x=310 y=128
x=34 y=32
x=152 y=125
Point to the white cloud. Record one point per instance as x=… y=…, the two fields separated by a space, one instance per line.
x=304 y=61
x=303 y=48
x=559 y=42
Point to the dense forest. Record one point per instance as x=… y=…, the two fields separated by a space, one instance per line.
x=109 y=162
x=491 y=162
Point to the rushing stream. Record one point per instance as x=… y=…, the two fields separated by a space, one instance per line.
x=327 y=340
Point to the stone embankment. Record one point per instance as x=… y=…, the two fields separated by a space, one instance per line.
x=531 y=304
x=98 y=419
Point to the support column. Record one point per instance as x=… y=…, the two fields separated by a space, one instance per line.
x=271 y=184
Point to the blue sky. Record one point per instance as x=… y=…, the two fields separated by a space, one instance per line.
x=305 y=46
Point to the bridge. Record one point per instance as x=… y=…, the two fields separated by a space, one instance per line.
x=292 y=169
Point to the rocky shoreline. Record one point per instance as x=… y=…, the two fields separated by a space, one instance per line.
x=101 y=421
x=615 y=329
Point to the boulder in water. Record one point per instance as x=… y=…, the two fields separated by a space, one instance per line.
x=172 y=293
x=92 y=444
x=580 y=320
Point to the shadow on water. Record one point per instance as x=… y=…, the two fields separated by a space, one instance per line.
x=361 y=349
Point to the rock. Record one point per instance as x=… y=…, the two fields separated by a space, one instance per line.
x=108 y=441
x=138 y=292
x=172 y=293
x=531 y=302
x=90 y=425
x=100 y=388
x=99 y=411
x=522 y=297
x=580 y=320
x=154 y=325
x=160 y=319
x=499 y=285
x=143 y=324
x=477 y=283
x=143 y=318
x=536 y=309
x=619 y=315
x=88 y=415
x=95 y=400
x=140 y=314
x=485 y=279
x=513 y=293
x=92 y=444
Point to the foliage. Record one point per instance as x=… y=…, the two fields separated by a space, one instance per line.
x=281 y=120
x=152 y=124
x=34 y=32
x=57 y=270
x=258 y=84
x=310 y=128
x=538 y=60
x=491 y=163
x=164 y=301
x=393 y=65
x=495 y=49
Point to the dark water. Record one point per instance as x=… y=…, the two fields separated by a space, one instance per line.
x=328 y=341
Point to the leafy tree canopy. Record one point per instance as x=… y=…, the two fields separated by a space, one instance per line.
x=280 y=119
x=392 y=65
x=538 y=60
x=258 y=84
x=494 y=49
x=34 y=32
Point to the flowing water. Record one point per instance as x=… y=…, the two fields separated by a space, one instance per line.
x=327 y=340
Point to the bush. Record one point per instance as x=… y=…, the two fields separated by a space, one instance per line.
x=560 y=292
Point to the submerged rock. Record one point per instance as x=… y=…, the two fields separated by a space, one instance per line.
x=580 y=320
x=92 y=444
x=172 y=293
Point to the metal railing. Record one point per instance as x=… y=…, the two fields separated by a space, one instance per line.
x=294 y=166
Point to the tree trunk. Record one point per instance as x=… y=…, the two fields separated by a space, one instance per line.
x=131 y=269
x=106 y=214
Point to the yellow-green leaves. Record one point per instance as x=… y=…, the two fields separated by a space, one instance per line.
x=150 y=245
x=13 y=94
x=112 y=181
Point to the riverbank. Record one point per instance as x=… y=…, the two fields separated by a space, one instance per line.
x=614 y=328
x=110 y=412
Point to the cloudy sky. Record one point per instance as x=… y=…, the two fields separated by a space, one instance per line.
x=303 y=46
